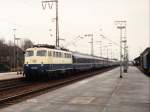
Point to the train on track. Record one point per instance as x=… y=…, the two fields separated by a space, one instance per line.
x=143 y=61
x=47 y=60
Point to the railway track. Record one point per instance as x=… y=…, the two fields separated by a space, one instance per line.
x=10 y=82
x=13 y=94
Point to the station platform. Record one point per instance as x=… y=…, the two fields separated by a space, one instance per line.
x=9 y=75
x=102 y=93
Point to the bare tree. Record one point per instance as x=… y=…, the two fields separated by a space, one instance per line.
x=26 y=44
x=7 y=54
x=4 y=56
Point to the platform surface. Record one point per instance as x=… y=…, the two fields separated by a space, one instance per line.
x=9 y=75
x=101 y=93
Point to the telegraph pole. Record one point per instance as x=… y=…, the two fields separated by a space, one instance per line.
x=120 y=51
x=110 y=44
x=92 y=46
x=107 y=51
x=100 y=47
x=44 y=4
x=121 y=25
x=92 y=43
x=107 y=54
x=127 y=57
x=57 y=26
x=149 y=25
x=125 y=50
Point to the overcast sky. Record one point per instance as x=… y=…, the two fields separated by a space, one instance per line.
x=78 y=17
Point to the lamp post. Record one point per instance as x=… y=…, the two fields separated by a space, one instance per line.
x=14 y=30
x=121 y=25
x=17 y=54
x=121 y=56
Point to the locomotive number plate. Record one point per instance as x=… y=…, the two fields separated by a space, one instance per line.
x=34 y=61
x=34 y=68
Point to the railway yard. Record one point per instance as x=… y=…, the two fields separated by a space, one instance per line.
x=101 y=90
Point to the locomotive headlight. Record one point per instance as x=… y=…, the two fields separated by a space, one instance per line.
x=41 y=63
x=27 y=64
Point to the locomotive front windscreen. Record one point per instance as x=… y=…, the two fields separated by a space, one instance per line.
x=29 y=53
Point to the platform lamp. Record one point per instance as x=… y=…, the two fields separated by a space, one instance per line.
x=14 y=31
x=17 y=56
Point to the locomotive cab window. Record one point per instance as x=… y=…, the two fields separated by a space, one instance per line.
x=41 y=53
x=49 y=53
x=54 y=54
x=59 y=54
x=29 y=53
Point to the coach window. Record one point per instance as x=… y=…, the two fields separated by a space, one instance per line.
x=41 y=53
x=57 y=54
x=63 y=55
x=67 y=55
x=29 y=53
x=49 y=53
x=54 y=54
